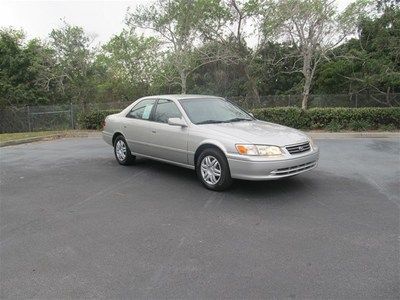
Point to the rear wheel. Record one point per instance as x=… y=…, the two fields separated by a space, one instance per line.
x=122 y=152
x=213 y=170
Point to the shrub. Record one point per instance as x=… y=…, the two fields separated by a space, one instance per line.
x=359 y=125
x=94 y=119
x=333 y=119
x=334 y=126
x=289 y=116
x=389 y=127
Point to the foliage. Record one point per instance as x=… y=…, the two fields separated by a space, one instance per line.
x=94 y=119
x=17 y=69
x=237 y=29
x=334 y=126
x=74 y=68
x=333 y=119
x=129 y=64
x=312 y=28
x=370 y=64
x=231 y=48
x=177 y=23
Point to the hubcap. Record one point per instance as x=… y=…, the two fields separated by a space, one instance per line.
x=210 y=170
x=120 y=150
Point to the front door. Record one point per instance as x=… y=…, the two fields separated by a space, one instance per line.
x=169 y=142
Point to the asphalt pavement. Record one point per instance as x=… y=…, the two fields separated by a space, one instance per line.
x=75 y=224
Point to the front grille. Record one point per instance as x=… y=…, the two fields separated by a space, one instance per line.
x=294 y=169
x=295 y=149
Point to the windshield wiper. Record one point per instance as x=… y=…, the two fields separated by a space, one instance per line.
x=237 y=120
x=209 y=122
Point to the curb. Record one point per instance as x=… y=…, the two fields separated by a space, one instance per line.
x=353 y=135
x=45 y=138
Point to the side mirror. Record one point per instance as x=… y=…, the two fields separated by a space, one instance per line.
x=177 y=122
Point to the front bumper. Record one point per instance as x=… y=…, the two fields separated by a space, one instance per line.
x=257 y=168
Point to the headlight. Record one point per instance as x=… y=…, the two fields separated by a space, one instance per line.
x=269 y=150
x=260 y=150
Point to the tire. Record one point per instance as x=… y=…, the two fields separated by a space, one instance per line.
x=212 y=169
x=122 y=152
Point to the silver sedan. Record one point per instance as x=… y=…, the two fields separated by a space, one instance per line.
x=211 y=135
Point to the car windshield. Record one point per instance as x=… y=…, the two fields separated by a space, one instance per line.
x=213 y=110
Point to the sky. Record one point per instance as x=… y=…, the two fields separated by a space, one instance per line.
x=101 y=19
x=37 y=18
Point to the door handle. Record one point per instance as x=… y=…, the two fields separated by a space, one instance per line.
x=153 y=131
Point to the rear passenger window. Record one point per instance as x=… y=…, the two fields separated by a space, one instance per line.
x=166 y=109
x=142 y=110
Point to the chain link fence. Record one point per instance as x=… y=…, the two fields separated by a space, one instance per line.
x=61 y=117
x=326 y=100
x=48 y=117
x=37 y=118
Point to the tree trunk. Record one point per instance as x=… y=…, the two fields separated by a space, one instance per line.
x=253 y=86
x=306 y=93
x=183 y=81
x=388 y=96
x=307 y=73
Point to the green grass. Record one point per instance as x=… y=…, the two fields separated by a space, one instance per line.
x=6 y=137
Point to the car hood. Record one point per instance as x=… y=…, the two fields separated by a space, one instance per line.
x=259 y=132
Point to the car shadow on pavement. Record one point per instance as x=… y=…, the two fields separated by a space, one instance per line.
x=165 y=169
x=284 y=185
x=239 y=188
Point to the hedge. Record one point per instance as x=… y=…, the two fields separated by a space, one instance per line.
x=333 y=119
x=94 y=119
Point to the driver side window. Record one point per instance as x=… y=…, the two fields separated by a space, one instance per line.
x=166 y=109
x=142 y=110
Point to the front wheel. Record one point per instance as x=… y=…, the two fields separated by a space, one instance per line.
x=213 y=170
x=122 y=152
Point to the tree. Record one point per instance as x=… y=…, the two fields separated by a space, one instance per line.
x=130 y=63
x=241 y=12
x=74 y=60
x=177 y=23
x=369 y=64
x=18 y=70
x=238 y=28
x=313 y=28
x=244 y=48
x=272 y=68
x=223 y=77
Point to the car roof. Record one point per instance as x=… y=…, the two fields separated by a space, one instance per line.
x=181 y=96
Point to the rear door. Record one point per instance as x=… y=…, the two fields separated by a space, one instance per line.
x=138 y=126
x=169 y=142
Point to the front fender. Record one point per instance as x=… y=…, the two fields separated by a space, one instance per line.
x=216 y=143
x=212 y=142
